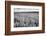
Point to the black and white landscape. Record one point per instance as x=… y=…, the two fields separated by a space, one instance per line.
x=26 y=18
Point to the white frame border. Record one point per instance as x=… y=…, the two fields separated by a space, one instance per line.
x=24 y=28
